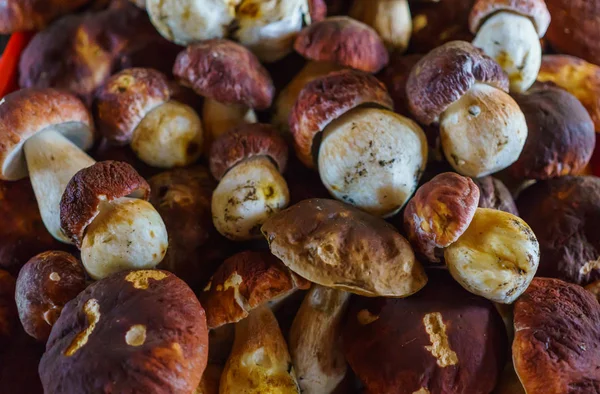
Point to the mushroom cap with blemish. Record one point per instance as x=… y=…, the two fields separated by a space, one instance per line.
x=439 y=212
x=564 y=214
x=244 y=282
x=8 y=310
x=561 y=136
x=20 y=15
x=557 y=338
x=535 y=10
x=125 y=99
x=445 y=74
x=440 y=340
x=226 y=72
x=325 y=99
x=343 y=41
x=244 y=142
x=100 y=183
x=339 y=246
x=45 y=284
x=494 y=194
x=134 y=331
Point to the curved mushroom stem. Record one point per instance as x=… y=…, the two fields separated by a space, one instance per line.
x=52 y=160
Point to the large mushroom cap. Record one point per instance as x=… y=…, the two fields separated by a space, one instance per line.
x=27 y=112
x=20 y=15
x=535 y=10
x=135 y=331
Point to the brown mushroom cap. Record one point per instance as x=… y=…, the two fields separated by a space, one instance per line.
x=440 y=340
x=90 y=187
x=244 y=142
x=594 y=288
x=339 y=246
x=45 y=284
x=395 y=76
x=8 y=310
x=535 y=10
x=494 y=194
x=557 y=338
x=561 y=136
x=226 y=72
x=564 y=213
x=19 y=15
x=344 y=41
x=27 y=112
x=439 y=212
x=324 y=99
x=125 y=99
x=445 y=74
x=244 y=282
x=134 y=331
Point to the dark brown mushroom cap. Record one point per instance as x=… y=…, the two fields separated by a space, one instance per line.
x=134 y=331
x=557 y=338
x=445 y=74
x=440 y=340
x=339 y=246
x=324 y=99
x=439 y=212
x=343 y=41
x=19 y=15
x=226 y=72
x=244 y=142
x=100 y=183
x=494 y=194
x=395 y=76
x=244 y=282
x=561 y=136
x=564 y=214
x=535 y=10
x=125 y=99
x=45 y=284
x=8 y=310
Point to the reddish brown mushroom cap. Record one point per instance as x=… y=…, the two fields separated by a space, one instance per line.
x=494 y=194
x=134 y=331
x=125 y=99
x=244 y=142
x=19 y=15
x=557 y=338
x=226 y=72
x=445 y=74
x=325 y=99
x=535 y=10
x=344 y=41
x=594 y=288
x=90 y=187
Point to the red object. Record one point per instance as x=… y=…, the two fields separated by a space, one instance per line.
x=9 y=62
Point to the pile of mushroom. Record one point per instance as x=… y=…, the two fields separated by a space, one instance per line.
x=301 y=196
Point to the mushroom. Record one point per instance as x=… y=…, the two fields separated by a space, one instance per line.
x=563 y=213
x=18 y=15
x=45 y=284
x=440 y=340
x=395 y=76
x=133 y=331
x=546 y=360
x=368 y=156
x=462 y=89
x=8 y=310
x=509 y=31
x=259 y=361
x=594 y=288
x=495 y=195
x=244 y=282
x=315 y=340
x=339 y=246
x=135 y=107
x=248 y=162
x=105 y=213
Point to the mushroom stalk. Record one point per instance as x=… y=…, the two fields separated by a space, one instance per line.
x=52 y=160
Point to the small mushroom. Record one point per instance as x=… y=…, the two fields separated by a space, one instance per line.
x=315 y=340
x=594 y=288
x=18 y=15
x=509 y=31
x=557 y=338
x=243 y=283
x=259 y=361
x=463 y=89
x=494 y=194
x=133 y=331
x=135 y=107
x=496 y=257
x=8 y=310
x=339 y=246
x=45 y=284
x=248 y=162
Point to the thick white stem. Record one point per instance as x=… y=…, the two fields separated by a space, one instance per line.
x=52 y=160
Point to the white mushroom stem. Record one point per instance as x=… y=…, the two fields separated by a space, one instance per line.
x=52 y=160
x=218 y=118
x=513 y=42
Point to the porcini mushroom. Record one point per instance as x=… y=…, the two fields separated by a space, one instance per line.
x=509 y=31
x=18 y=15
